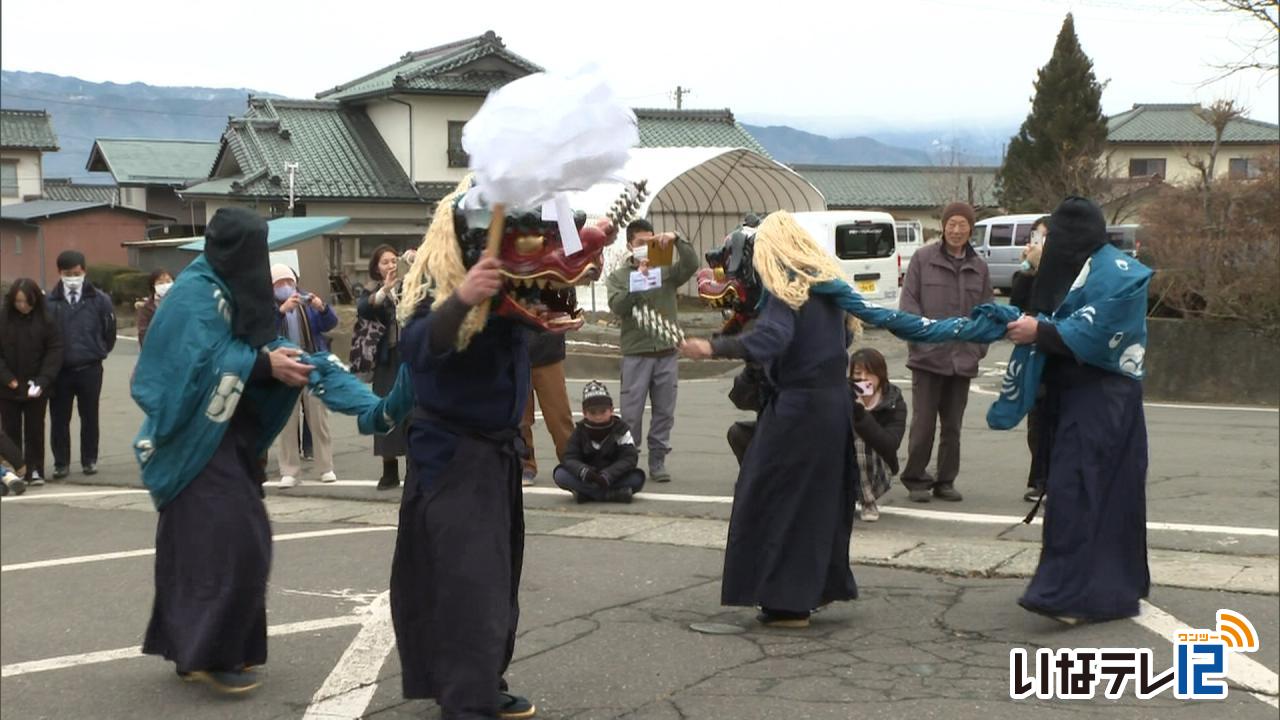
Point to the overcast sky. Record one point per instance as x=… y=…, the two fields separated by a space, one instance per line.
x=876 y=65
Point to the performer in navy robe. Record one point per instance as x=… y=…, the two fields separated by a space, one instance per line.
x=1092 y=301
x=788 y=546
x=217 y=385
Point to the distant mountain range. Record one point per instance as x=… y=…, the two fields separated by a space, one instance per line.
x=83 y=111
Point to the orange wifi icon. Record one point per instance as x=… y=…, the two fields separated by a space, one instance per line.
x=1236 y=631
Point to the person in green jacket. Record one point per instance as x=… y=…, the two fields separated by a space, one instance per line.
x=649 y=365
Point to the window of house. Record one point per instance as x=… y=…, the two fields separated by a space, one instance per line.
x=9 y=179
x=1001 y=236
x=1146 y=167
x=1242 y=168
x=457 y=156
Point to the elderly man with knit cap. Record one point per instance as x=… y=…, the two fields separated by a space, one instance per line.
x=303 y=318
x=945 y=279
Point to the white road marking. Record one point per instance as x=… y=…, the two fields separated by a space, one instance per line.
x=82 y=559
x=941 y=515
x=351 y=684
x=1242 y=670
x=69 y=661
x=127 y=337
x=40 y=495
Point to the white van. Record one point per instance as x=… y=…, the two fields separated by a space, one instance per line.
x=999 y=241
x=864 y=245
x=910 y=239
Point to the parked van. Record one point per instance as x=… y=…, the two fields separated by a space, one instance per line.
x=864 y=244
x=910 y=238
x=1000 y=241
x=1125 y=238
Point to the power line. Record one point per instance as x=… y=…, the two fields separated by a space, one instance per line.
x=113 y=107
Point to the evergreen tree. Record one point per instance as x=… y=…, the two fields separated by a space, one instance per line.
x=1057 y=150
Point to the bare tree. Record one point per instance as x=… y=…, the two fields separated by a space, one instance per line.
x=1218 y=116
x=1259 y=55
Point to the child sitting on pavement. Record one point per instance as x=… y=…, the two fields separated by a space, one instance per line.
x=600 y=457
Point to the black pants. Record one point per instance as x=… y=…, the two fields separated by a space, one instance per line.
x=568 y=481
x=23 y=422
x=84 y=386
x=936 y=400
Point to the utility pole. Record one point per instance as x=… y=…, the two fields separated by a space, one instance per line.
x=680 y=93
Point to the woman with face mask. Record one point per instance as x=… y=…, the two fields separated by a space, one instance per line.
x=159 y=283
x=879 y=422
x=30 y=357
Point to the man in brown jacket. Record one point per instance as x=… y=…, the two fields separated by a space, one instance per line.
x=945 y=279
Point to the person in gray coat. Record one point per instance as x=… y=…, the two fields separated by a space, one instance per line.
x=945 y=279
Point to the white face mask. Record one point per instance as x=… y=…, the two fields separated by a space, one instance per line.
x=162 y=289
x=73 y=283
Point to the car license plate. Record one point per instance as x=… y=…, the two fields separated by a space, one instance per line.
x=867 y=287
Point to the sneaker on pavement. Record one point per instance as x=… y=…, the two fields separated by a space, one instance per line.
x=35 y=480
x=90 y=468
x=528 y=478
x=515 y=707
x=619 y=495
x=13 y=484
x=60 y=472
x=225 y=681
x=920 y=496
x=288 y=481
x=947 y=492
x=659 y=475
x=329 y=477
x=869 y=513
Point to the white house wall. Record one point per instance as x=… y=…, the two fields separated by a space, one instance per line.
x=30 y=174
x=431 y=117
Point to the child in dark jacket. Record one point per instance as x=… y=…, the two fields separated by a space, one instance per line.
x=601 y=456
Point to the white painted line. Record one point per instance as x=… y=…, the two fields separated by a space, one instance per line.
x=38 y=495
x=351 y=684
x=661 y=497
x=1170 y=406
x=82 y=559
x=1242 y=670
x=126 y=337
x=69 y=661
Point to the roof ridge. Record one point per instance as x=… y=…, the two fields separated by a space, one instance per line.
x=407 y=57
x=1165 y=106
x=165 y=140
x=717 y=113
x=22 y=111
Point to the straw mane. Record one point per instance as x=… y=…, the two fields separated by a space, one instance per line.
x=789 y=262
x=437 y=271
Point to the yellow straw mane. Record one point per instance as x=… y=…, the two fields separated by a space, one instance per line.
x=789 y=261
x=438 y=271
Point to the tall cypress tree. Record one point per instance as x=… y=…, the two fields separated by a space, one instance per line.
x=1057 y=151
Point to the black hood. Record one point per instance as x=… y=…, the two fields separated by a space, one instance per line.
x=235 y=243
x=1076 y=230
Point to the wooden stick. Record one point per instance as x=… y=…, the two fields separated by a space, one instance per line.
x=497 y=223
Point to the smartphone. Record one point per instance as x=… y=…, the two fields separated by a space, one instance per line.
x=660 y=256
x=402 y=268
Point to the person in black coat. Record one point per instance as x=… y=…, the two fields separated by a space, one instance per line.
x=378 y=305
x=88 y=321
x=1020 y=297
x=879 y=422
x=30 y=357
x=600 y=457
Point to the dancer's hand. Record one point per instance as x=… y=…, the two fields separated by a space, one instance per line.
x=696 y=348
x=286 y=368
x=483 y=281
x=1023 y=330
